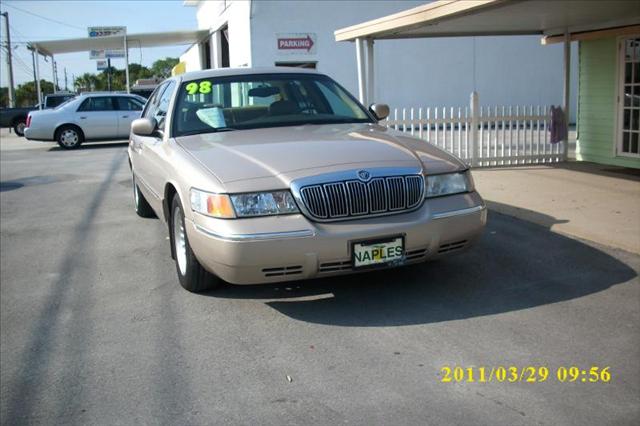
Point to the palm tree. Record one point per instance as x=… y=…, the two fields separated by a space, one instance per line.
x=87 y=82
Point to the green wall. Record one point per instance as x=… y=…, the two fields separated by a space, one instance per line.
x=597 y=96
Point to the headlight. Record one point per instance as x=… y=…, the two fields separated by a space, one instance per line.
x=264 y=203
x=214 y=205
x=448 y=184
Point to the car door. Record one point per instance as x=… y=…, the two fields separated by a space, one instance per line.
x=129 y=108
x=142 y=154
x=154 y=148
x=98 y=118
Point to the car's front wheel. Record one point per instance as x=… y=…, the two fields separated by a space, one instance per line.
x=19 y=126
x=69 y=137
x=193 y=277
x=143 y=209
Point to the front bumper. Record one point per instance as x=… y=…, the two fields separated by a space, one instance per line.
x=285 y=248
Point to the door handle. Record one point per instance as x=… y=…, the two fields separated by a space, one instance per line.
x=125 y=116
x=83 y=117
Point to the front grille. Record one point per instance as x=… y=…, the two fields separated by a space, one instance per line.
x=353 y=198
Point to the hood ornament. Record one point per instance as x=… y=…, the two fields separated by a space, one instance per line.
x=364 y=175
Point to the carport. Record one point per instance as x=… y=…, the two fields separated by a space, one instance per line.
x=555 y=21
x=54 y=47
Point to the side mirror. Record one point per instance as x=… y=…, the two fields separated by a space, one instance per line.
x=380 y=111
x=144 y=126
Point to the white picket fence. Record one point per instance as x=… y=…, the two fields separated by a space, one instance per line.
x=484 y=136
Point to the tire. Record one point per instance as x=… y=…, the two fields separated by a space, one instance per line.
x=19 y=126
x=143 y=209
x=69 y=137
x=192 y=276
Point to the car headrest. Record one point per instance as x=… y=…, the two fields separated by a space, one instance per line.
x=283 y=108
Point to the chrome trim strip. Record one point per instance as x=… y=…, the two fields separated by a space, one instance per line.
x=256 y=237
x=461 y=212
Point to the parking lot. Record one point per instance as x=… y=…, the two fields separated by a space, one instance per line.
x=97 y=330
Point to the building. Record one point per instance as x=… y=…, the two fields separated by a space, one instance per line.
x=609 y=100
x=432 y=72
x=608 y=36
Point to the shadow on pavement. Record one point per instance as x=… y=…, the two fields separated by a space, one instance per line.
x=581 y=167
x=94 y=145
x=35 y=359
x=27 y=181
x=515 y=265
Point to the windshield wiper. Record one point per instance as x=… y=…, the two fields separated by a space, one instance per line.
x=210 y=130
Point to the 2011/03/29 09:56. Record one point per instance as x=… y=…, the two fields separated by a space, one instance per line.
x=529 y=374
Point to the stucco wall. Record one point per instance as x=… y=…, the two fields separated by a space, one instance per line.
x=409 y=73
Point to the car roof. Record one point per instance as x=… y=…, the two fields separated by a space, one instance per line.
x=88 y=94
x=225 y=72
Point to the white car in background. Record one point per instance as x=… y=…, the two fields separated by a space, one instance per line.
x=88 y=117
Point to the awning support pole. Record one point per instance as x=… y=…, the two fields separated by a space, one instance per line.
x=370 y=67
x=126 y=63
x=474 y=106
x=38 y=89
x=566 y=92
x=362 y=96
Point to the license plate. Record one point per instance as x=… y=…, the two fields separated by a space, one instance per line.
x=380 y=252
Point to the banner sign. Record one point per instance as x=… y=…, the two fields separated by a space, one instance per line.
x=101 y=64
x=104 y=32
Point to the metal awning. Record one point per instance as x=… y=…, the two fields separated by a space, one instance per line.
x=451 y=18
x=53 y=47
x=556 y=20
x=114 y=42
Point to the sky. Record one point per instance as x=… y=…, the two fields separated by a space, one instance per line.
x=73 y=18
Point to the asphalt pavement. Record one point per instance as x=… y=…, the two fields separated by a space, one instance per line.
x=95 y=328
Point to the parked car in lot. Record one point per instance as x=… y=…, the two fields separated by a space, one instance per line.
x=90 y=116
x=16 y=118
x=280 y=174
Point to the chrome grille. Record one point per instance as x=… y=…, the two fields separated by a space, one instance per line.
x=354 y=198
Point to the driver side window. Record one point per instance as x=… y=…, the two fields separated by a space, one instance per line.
x=152 y=103
x=163 y=104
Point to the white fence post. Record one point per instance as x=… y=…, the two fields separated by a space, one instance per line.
x=473 y=136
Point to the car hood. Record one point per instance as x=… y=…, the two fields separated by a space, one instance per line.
x=296 y=151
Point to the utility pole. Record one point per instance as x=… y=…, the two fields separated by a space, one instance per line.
x=66 y=88
x=109 y=74
x=12 y=96
x=56 y=85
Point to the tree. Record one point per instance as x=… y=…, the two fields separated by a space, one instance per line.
x=87 y=82
x=4 y=97
x=27 y=95
x=163 y=67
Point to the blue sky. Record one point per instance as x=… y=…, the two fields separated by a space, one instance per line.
x=75 y=17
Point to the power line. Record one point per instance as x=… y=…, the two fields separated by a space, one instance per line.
x=43 y=17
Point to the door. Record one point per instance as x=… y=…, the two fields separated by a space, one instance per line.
x=98 y=118
x=147 y=151
x=129 y=109
x=629 y=98
x=139 y=150
x=153 y=148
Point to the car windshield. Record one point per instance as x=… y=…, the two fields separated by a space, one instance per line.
x=263 y=100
